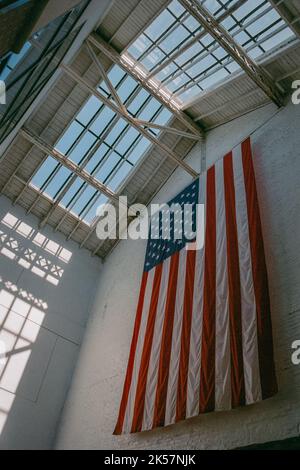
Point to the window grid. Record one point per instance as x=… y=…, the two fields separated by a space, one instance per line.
x=204 y=75
x=114 y=170
x=255 y=25
x=14 y=60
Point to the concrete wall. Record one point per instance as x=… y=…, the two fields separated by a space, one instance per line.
x=46 y=288
x=92 y=405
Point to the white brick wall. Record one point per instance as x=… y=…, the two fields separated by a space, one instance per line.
x=92 y=406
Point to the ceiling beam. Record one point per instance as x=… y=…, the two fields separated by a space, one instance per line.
x=169 y=130
x=287 y=15
x=135 y=70
x=197 y=37
x=123 y=109
x=137 y=195
x=131 y=120
x=221 y=35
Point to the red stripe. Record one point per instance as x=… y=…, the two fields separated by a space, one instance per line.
x=145 y=359
x=236 y=346
x=128 y=378
x=207 y=374
x=165 y=351
x=185 y=336
x=260 y=279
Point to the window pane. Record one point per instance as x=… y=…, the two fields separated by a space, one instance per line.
x=92 y=212
x=120 y=176
x=72 y=192
x=57 y=181
x=45 y=170
x=127 y=140
x=97 y=157
x=88 y=192
x=107 y=167
x=102 y=120
x=139 y=150
x=83 y=146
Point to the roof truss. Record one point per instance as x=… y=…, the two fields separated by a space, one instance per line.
x=197 y=37
x=226 y=41
x=131 y=120
x=169 y=152
x=136 y=71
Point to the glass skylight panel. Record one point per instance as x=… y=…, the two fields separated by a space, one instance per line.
x=255 y=25
x=139 y=150
x=177 y=75
x=162 y=22
x=84 y=200
x=104 y=118
x=91 y=212
x=116 y=131
x=69 y=137
x=108 y=166
x=89 y=110
x=141 y=98
x=103 y=143
x=46 y=169
x=54 y=185
x=97 y=158
x=13 y=61
x=71 y=194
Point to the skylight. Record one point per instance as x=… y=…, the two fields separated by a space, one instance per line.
x=13 y=60
x=176 y=50
x=102 y=143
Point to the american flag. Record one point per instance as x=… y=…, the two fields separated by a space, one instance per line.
x=202 y=337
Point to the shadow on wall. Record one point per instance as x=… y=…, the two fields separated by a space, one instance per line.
x=42 y=317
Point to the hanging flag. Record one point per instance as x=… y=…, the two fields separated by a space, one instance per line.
x=202 y=338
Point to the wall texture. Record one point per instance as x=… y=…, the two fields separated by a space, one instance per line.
x=46 y=287
x=92 y=406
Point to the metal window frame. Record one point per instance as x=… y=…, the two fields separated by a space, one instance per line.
x=238 y=26
x=140 y=75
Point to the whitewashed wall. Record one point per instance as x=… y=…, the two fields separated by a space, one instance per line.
x=46 y=288
x=92 y=405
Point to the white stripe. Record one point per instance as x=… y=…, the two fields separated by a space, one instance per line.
x=222 y=357
x=176 y=342
x=249 y=325
x=137 y=359
x=193 y=387
x=155 y=352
